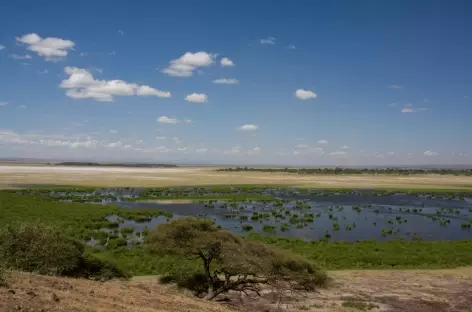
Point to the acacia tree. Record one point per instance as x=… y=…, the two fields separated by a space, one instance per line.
x=230 y=262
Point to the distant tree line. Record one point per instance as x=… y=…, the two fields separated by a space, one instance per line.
x=131 y=165
x=346 y=171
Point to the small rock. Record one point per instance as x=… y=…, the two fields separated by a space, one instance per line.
x=31 y=293
x=54 y=297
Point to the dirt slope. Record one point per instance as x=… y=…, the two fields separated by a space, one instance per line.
x=396 y=290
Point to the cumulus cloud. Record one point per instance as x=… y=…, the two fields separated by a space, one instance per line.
x=148 y=91
x=430 y=153
x=81 y=85
x=20 y=57
x=51 y=49
x=167 y=120
x=248 y=127
x=322 y=142
x=302 y=94
x=188 y=63
x=196 y=98
x=269 y=40
x=226 y=62
x=394 y=86
x=226 y=81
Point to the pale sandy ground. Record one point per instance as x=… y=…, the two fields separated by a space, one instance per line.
x=395 y=291
x=14 y=176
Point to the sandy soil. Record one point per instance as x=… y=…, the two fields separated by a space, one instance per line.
x=395 y=291
x=14 y=176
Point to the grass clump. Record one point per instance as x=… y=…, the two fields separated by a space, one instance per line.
x=359 y=305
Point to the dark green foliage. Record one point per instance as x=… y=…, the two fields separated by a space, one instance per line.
x=229 y=262
x=247 y=227
x=42 y=249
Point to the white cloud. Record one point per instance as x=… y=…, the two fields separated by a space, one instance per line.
x=302 y=146
x=338 y=153
x=322 y=142
x=410 y=109
x=20 y=57
x=254 y=151
x=226 y=81
x=120 y=32
x=167 y=120
x=115 y=144
x=196 y=98
x=201 y=150
x=81 y=85
x=393 y=104
x=160 y=138
x=248 y=127
x=51 y=49
x=42 y=72
x=176 y=140
x=3 y=103
x=2 y=47
x=302 y=94
x=234 y=150
x=148 y=91
x=291 y=47
x=188 y=63
x=113 y=131
x=188 y=121
x=394 y=86
x=344 y=147
x=269 y=40
x=430 y=153
x=226 y=62
x=22 y=106
x=83 y=53
x=182 y=149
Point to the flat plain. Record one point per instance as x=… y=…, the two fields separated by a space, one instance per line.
x=12 y=176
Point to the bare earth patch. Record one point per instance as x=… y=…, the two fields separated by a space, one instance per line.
x=16 y=176
x=383 y=290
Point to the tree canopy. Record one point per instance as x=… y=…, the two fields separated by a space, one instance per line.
x=230 y=262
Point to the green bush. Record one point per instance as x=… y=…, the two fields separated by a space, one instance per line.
x=45 y=250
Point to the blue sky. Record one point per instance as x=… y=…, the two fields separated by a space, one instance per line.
x=243 y=82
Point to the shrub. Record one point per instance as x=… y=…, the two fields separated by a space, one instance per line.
x=45 y=250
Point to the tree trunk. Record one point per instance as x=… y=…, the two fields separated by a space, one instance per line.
x=211 y=291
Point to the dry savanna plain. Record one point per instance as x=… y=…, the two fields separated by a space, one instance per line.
x=14 y=175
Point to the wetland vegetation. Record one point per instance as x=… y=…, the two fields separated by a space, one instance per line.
x=335 y=229
x=351 y=171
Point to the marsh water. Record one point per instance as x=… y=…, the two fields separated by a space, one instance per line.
x=357 y=217
x=308 y=215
